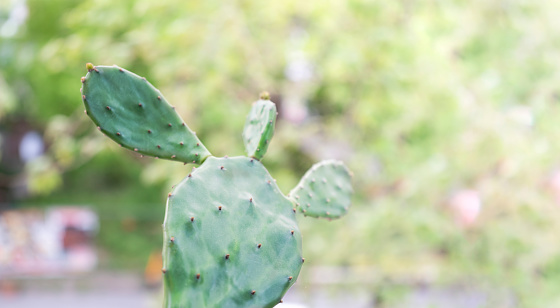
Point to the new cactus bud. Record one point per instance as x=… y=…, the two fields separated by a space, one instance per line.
x=259 y=127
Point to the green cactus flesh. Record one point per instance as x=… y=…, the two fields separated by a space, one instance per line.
x=259 y=127
x=230 y=238
x=324 y=191
x=132 y=112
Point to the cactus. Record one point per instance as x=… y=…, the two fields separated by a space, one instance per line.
x=259 y=126
x=324 y=191
x=230 y=237
x=129 y=110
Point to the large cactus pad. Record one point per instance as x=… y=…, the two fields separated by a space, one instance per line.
x=324 y=191
x=230 y=238
x=129 y=110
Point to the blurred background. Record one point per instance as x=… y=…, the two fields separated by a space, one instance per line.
x=446 y=111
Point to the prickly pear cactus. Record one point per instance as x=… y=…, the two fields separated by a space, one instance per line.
x=324 y=191
x=259 y=127
x=129 y=110
x=230 y=237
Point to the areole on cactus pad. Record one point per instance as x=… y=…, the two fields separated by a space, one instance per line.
x=230 y=237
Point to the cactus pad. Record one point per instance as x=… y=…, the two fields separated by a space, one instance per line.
x=132 y=112
x=324 y=191
x=259 y=127
x=230 y=238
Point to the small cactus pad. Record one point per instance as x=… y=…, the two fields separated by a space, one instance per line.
x=132 y=112
x=230 y=238
x=324 y=191
x=259 y=127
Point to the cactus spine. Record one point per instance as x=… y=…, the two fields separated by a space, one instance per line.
x=230 y=237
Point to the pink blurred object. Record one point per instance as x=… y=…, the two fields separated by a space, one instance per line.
x=554 y=184
x=56 y=241
x=294 y=112
x=466 y=206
